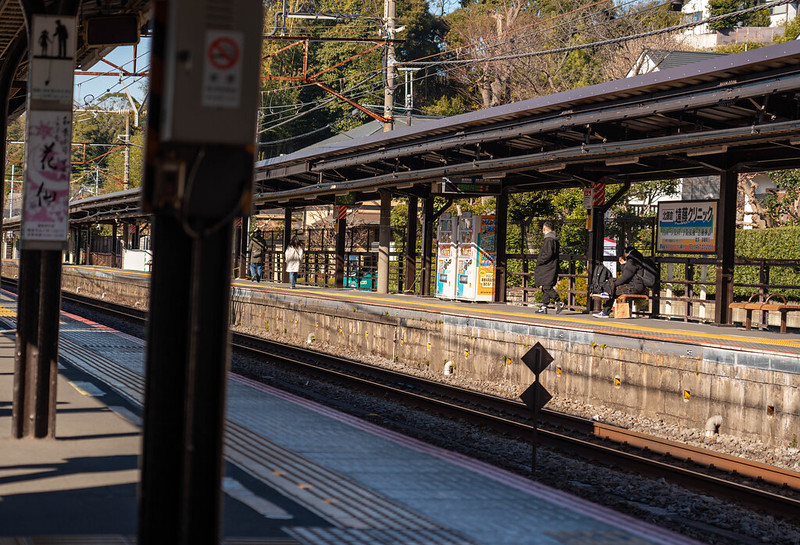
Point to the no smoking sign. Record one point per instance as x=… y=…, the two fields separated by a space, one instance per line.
x=223 y=53
x=222 y=69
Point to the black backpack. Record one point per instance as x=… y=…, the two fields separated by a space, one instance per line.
x=600 y=276
x=648 y=273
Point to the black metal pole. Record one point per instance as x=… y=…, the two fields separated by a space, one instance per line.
x=501 y=260
x=47 y=356
x=535 y=436
x=162 y=482
x=209 y=361
x=341 y=227
x=410 y=275
x=427 y=247
x=114 y=244
x=27 y=343
x=726 y=246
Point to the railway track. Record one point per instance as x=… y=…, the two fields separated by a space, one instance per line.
x=710 y=472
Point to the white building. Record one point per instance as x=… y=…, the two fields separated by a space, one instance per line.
x=701 y=37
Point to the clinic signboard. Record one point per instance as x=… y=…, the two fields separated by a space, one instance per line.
x=687 y=227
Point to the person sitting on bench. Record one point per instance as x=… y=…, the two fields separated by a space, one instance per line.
x=629 y=282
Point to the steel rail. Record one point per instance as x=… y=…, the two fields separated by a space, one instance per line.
x=509 y=417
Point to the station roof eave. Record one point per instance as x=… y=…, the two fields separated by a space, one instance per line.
x=733 y=112
x=106 y=208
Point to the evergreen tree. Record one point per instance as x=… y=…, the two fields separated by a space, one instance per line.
x=721 y=7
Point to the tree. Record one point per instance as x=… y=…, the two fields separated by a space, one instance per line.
x=98 y=161
x=783 y=203
x=721 y=7
x=791 y=32
x=648 y=193
x=495 y=29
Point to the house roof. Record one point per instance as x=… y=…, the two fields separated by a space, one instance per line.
x=664 y=59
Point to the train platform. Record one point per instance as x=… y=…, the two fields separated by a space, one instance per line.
x=640 y=327
x=297 y=472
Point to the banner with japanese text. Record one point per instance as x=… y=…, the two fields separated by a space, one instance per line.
x=687 y=227
x=45 y=209
x=47 y=158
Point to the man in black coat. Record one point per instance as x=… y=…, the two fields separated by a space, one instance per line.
x=630 y=281
x=546 y=272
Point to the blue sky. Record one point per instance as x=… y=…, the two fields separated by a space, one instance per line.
x=90 y=88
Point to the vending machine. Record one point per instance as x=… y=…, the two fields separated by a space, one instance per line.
x=446 y=257
x=477 y=257
x=487 y=258
x=467 y=264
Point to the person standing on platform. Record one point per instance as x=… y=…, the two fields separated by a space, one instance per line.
x=294 y=255
x=546 y=272
x=256 y=249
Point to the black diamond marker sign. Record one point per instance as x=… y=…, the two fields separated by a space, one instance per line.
x=536 y=396
x=537 y=358
x=534 y=401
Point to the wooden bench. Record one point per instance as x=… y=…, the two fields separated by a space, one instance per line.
x=766 y=306
x=622 y=308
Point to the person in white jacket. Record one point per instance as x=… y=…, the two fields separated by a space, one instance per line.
x=294 y=255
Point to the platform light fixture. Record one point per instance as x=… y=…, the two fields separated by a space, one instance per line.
x=795 y=141
x=622 y=161
x=405 y=186
x=551 y=167
x=709 y=150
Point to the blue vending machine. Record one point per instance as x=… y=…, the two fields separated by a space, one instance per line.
x=446 y=257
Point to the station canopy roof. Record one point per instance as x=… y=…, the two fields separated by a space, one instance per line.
x=739 y=112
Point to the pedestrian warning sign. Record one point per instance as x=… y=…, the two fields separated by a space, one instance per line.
x=222 y=71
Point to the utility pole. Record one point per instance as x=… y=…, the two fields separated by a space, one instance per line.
x=127 y=169
x=409 y=88
x=388 y=98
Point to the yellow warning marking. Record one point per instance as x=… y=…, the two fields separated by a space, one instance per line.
x=329 y=500
x=304 y=486
x=79 y=389
x=8 y=312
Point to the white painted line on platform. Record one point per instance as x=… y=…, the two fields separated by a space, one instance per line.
x=237 y=491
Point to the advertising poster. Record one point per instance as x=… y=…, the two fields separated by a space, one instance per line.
x=46 y=195
x=687 y=227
